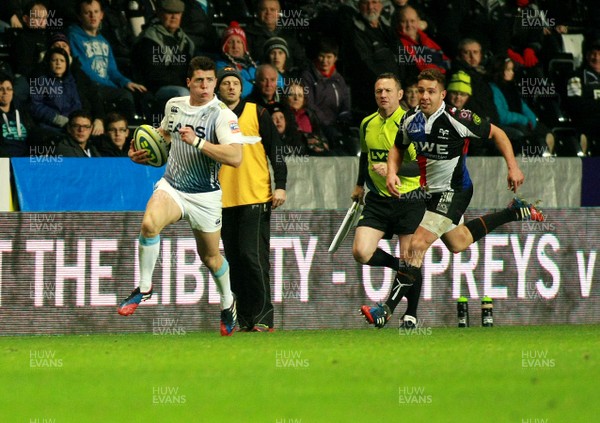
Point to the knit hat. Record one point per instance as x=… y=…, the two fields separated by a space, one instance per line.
x=276 y=42
x=228 y=71
x=460 y=82
x=275 y=107
x=58 y=36
x=234 y=29
x=173 y=6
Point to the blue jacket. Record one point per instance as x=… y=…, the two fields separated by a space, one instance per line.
x=247 y=72
x=96 y=57
x=51 y=96
x=508 y=117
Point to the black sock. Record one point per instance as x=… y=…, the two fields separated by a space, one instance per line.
x=413 y=296
x=383 y=259
x=403 y=282
x=483 y=225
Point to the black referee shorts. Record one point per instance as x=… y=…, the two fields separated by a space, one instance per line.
x=393 y=216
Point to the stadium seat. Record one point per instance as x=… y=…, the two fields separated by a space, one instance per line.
x=573 y=45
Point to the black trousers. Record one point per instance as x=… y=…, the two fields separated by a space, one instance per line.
x=246 y=234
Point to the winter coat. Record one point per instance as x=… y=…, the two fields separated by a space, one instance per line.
x=508 y=115
x=52 y=96
x=424 y=54
x=162 y=58
x=329 y=97
x=68 y=147
x=247 y=69
x=15 y=126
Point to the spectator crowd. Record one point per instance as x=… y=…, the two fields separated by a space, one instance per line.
x=76 y=76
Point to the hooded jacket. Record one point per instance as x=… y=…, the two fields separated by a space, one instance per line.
x=52 y=96
x=96 y=57
x=162 y=58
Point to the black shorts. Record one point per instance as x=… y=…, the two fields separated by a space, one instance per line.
x=392 y=215
x=451 y=204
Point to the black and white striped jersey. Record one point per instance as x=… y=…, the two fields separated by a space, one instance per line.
x=188 y=170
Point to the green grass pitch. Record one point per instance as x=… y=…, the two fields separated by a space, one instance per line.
x=500 y=374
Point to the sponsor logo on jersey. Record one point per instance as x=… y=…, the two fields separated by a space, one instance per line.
x=174 y=109
x=378 y=155
x=234 y=127
x=465 y=114
x=432 y=150
x=476 y=119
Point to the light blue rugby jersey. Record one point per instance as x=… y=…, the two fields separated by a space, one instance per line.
x=188 y=170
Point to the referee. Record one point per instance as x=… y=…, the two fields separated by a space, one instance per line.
x=384 y=215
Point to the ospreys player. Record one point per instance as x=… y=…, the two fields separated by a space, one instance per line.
x=440 y=135
x=204 y=134
x=384 y=215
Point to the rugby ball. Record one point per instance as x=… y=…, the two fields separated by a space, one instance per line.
x=148 y=138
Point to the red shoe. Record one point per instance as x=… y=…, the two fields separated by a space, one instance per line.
x=525 y=210
x=378 y=315
x=228 y=320
x=129 y=304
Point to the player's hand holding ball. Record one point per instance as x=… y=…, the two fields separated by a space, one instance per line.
x=152 y=142
x=138 y=156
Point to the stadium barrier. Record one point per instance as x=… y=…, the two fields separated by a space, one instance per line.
x=64 y=273
x=322 y=183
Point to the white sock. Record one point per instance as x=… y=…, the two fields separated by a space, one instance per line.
x=223 y=284
x=149 y=248
x=408 y=318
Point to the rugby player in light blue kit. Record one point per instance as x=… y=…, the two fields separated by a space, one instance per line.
x=204 y=134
